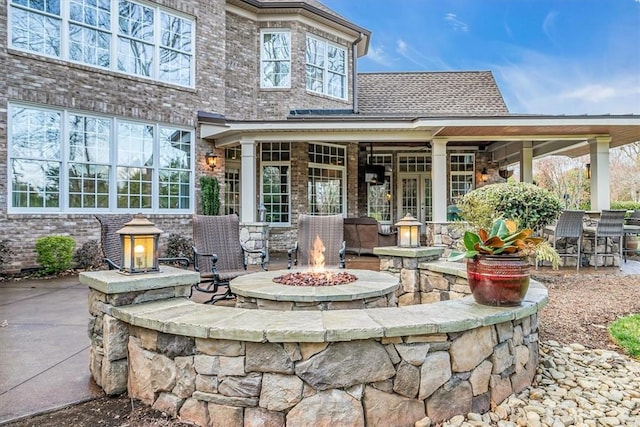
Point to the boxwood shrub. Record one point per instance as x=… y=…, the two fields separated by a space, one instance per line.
x=531 y=206
x=55 y=254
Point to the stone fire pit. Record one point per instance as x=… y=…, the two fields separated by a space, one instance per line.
x=372 y=289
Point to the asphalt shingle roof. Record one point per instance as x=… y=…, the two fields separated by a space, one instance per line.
x=459 y=93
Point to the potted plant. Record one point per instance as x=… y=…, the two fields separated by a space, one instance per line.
x=498 y=261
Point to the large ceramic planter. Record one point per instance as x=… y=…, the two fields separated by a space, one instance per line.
x=498 y=280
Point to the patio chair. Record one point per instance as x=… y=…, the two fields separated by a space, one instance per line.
x=634 y=218
x=218 y=254
x=111 y=242
x=330 y=230
x=568 y=227
x=610 y=227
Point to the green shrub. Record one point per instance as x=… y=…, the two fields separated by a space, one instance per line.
x=179 y=247
x=5 y=253
x=626 y=205
x=210 y=195
x=527 y=204
x=55 y=254
x=89 y=256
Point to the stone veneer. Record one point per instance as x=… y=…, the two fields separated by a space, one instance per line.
x=226 y=366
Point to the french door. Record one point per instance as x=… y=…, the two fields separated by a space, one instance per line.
x=414 y=196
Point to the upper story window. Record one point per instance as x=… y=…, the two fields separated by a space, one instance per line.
x=117 y=35
x=275 y=59
x=63 y=161
x=327 y=173
x=326 y=68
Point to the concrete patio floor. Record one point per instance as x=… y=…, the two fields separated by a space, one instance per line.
x=44 y=345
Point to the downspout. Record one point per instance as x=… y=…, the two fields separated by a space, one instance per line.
x=354 y=77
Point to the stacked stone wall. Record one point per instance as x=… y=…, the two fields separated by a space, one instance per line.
x=393 y=381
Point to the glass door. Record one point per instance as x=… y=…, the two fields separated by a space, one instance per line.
x=414 y=186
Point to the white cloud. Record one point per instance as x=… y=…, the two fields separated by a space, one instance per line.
x=542 y=84
x=422 y=61
x=378 y=55
x=455 y=23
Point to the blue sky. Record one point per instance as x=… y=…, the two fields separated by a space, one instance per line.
x=548 y=56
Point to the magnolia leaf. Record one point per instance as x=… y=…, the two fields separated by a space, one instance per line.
x=494 y=242
x=482 y=233
x=470 y=240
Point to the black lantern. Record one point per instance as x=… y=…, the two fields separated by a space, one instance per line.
x=139 y=246
x=409 y=232
x=211 y=158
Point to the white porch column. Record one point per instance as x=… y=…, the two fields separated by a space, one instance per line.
x=600 y=176
x=439 y=180
x=526 y=162
x=248 y=197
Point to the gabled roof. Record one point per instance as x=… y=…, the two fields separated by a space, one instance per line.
x=431 y=94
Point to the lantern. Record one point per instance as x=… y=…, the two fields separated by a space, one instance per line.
x=211 y=159
x=139 y=246
x=409 y=232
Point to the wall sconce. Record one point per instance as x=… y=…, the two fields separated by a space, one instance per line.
x=211 y=159
x=408 y=232
x=588 y=172
x=139 y=246
x=484 y=175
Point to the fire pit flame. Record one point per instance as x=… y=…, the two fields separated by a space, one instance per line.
x=316 y=255
x=318 y=275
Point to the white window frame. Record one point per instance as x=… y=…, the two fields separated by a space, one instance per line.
x=454 y=194
x=63 y=161
x=284 y=147
x=329 y=162
x=232 y=180
x=264 y=61
x=65 y=22
x=374 y=190
x=326 y=72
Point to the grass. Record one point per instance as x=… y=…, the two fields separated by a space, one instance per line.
x=626 y=333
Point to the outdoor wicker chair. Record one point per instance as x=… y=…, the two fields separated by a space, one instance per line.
x=330 y=230
x=634 y=218
x=569 y=227
x=610 y=228
x=111 y=242
x=218 y=254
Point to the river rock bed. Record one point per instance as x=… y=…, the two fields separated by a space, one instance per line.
x=574 y=386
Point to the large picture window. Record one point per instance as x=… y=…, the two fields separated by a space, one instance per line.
x=73 y=162
x=327 y=170
x=276 y=179
x=149 y=41
x=275 y=59
x=326 y=68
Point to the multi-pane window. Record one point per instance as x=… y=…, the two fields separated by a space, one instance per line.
x=379 y=195
x=276 y=179
x=232 y=181
x=461 y=175
x=149 y=41
x=326 y=68
x=88 y=169
x=68 y=161
x=275 y=59
x=327 y=170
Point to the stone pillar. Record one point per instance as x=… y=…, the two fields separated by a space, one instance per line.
x=108 y=289
x=404 y=263
x=255 y=235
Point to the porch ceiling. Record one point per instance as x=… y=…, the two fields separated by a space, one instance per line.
x=502 y=135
